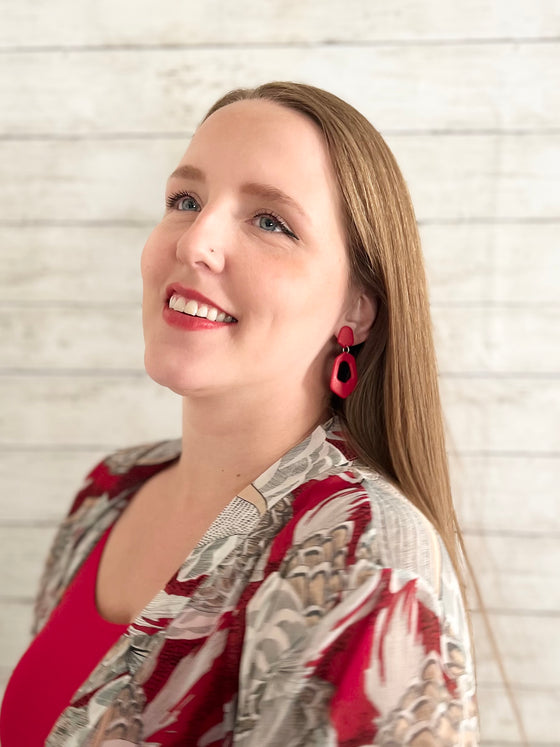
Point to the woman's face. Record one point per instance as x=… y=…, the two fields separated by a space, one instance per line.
x=253 y=233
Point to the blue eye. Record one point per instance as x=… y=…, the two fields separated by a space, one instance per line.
x=187 y=203
x=268 y=223
x=182 y=201
x=273 y=224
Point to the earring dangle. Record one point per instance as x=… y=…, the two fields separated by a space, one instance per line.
x=344 y=374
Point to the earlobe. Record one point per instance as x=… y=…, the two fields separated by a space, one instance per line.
x=361 y=316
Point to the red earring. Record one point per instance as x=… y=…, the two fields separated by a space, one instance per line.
x=343 y=387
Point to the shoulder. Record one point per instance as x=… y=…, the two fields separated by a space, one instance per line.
x=368 y=530
x=124 y=470
x=376 y=518
x=400 y=535
x=102 y=497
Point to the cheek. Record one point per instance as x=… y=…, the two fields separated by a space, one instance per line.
x=325 y=291
x=152 y=258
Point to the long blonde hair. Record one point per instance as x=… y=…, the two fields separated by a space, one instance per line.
x=394 y=417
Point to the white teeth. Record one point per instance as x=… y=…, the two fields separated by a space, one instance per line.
x=192 y=308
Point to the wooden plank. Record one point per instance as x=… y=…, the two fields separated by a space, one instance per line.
x=96 y=265
x=497 y=339
x=37 y=487
x=106 y=182
x=517 y=573
x=85 y=410
x=23 y=552
x=473 y=87
x=490 y=491
x=15 y=628
x=451 y=178
x=503 y=414
x=506 y=414
x=250 y=22
x=514 y=573
x=104 y=338
x=539 y=708
x=473 y=339
x=482 y=176
x=491 y=263
x=516 y=493
x=529 y=644
x=76 y=265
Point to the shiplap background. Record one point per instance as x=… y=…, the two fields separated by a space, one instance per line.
x=97 y=101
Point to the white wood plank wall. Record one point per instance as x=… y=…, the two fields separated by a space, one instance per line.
x=97 y=102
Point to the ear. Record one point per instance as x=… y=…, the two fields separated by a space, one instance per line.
x=360 y=315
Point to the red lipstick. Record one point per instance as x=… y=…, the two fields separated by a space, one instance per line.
x=191 y=295
x=188 y=321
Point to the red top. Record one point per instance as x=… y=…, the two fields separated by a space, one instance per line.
x=58 y=661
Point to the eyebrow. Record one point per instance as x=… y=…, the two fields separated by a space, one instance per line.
x=267 y=192
x=264 y=191
x=188 y=172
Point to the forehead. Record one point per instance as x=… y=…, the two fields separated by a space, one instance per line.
x=266 y=137
x=264 y=117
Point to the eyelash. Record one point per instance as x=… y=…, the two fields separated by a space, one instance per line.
x=283 y=225
x=172 y=200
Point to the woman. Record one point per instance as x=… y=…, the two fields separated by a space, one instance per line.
x=265 y=581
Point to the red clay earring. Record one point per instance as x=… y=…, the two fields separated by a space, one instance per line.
x=344 y=374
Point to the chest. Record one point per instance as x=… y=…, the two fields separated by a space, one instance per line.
x=146 y=547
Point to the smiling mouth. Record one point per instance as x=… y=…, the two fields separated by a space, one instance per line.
x=204 y=311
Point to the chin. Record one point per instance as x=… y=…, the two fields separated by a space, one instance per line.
x=173 y=376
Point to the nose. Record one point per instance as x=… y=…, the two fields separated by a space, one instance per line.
x=202 y=243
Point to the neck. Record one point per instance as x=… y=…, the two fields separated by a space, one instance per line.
x=228 y=441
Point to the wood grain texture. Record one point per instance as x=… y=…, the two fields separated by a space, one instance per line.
x=469 y=340
x=251 y=22
x=497 y=340
x=529 y=644
x=538 y=706
x=507 y=414
x=82 y=265
x=513 y=264
x=15 y=626
x=72 y=266
x=74 y=409
x=99 y=101
x=518 y=574
x=58 y=339
x=507 y=493
x=452 y=178
x=485 y=414
x=38 y=485
x=494 y=494
x=519 y=577
x=472 y=87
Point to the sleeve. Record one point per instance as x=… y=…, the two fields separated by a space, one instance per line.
x=93 y=509
x=361 y=655
x=60 y=563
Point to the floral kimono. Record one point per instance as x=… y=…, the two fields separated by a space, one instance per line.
x=320 y=608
